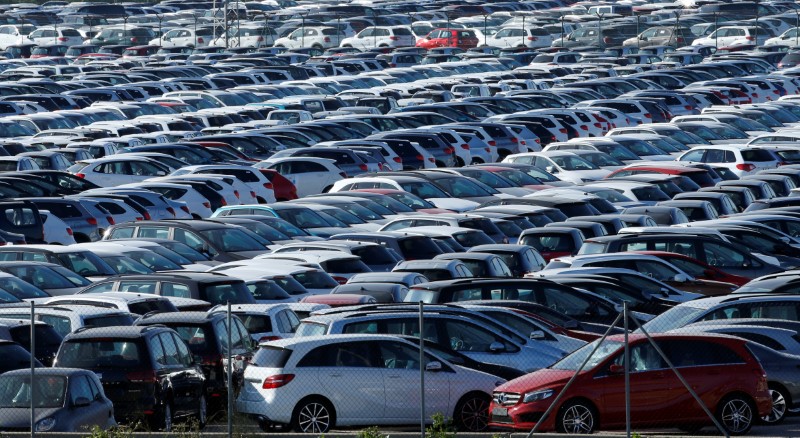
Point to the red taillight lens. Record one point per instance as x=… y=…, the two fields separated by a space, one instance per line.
x=400 y=160
x=449 y=150
x=252 y=194
x=269 y=186
x=80 y=175
x=394 y=38
x=327 y=39
x=224 y=202
x=171 y=211
x=236 y=193
x=363 y=167
x=431 y=159
x=62 y=39
x=340 y=280
x=606 y=40
x=749 y=38
x=464 y=146
x=92 y=221
x=277 y=381
x=492 y=143
x=133 y=40
x=648 y=116
x=268 y=338
x=207 y=204
x=142 y=376
x=200 y=40
x=420 y=158
x=563 y=130
x=185 y=209
x=782 y=163
x=110 y=220
x=584 y=127
x=260 y=38
x=747 y=167
x=69 y=231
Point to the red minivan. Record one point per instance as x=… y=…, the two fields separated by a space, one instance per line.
x=720 y=369
x=461 y=38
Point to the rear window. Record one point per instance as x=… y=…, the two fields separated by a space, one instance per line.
x=271 y=357
x=329 y=31
x=256 y=323
x=70 y=32
x=468 y=239
x=757 y=155
x=108 y=321
x=418 y=248
x=147 y=306
x=60 y=209
x=346 y=266
x=195 y=337
x=315 y=280
x=310 y=329
x=376 y=255
x=267 y=290
x=101 y=353
x=222 y=293
x=401 y=31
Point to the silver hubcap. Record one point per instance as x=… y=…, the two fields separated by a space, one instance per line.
x=578 y=419
x=778 y=407
x=314 y=418
x=475 y=414
x=737 y=415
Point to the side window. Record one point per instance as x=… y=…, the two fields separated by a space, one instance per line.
x=467 y=337
x=698 y=353
x=188 y=238
x=183 y=351
x=175 y=290
x=397 y=356
x=350 y=355
x=80 y=388
x=171 y=356
x=714 y=156
x=723 y=257
x=146 y=287
x=122 y=233
x=643 y=358
x=467 y=295
x=157 y=351
x=153 y=232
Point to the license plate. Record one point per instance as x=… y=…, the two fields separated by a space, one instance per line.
x=502 y=412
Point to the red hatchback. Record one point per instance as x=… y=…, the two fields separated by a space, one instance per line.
x=461 y=38
x=721 y=370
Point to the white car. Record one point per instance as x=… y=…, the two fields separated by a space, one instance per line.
x=790 y=38
x=61 y=35
x=381 y=36
x=56 y=231
x=11 y=34
x=310 y=175
x=249 y=175
x=116 y=170
x=741 y=160
x=565 y=165
x=734 y=36
x=246 y=36
x=17 y=164
x=318 y=383
x=185 y=36
x=266 y=322
x=198 y=205
x=533 y=38
x=322 y=37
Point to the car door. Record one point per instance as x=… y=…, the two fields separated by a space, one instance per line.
x=350 y=376
x=362 y=40
x=88 y=407
x=174 y=369
x=401 y=370
x=653 y=386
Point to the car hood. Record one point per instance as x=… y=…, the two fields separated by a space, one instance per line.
x=541 y=379
x=454 y=204
x=516 y=191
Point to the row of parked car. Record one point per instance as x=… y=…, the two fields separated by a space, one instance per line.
x=324 y=191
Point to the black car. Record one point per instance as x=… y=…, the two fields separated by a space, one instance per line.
x=15 y=357
x=21 y=217
x=207 y=286
x=149 y=373
x=47 y=339
x=206 y=335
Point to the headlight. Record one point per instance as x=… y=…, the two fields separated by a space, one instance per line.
x=45 y=424
x=537 y=395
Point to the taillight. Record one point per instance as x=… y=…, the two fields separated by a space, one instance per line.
x=80 y=175
x=400 y=160
x=146 y=216
x=394 y=38
x=92 y=221
x=363 y=167
x=200 y=40
x=747 y=167
x=343 y=175
x=431 y=159
x=584 y=127
x=563 y=130
x=277 y=381
x=260 y=38
x=62 y=39
x=171 y=211
x=252 y=194
x=185 y=209
x=607 y=40
x=538 y=141
x=782 y=163
x=491 y=143
x=69 y=231
x=327 y=39
x=340 y=280
x=648 y=116
x=110 y=220
x=749 y=38
x=133 y=40
x=449 y=150
x=224 y=202
x=515 y=139
x=464 y=146
x=687 y=107
x=236 y=193
x=207 y=204
x=142 y=376
x=268 y=338
x=533 y=39
x=269 y=186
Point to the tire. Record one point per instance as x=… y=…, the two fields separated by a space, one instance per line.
x=202 y=413
x=459 y=162
x=576 y=417
x=472 y=413
x=736 y=414
x=780 y=406
x=314 y=416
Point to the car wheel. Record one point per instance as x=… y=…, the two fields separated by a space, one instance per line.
x=736 y=414
x=166 y=420
x=313 y=416
x=780 y=405
x=576 y=417
x=472 y=412
x=202 y=413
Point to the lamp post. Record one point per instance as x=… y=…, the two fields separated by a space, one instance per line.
x=524 y=32
x=266 y=28
x=677 y=27
x=562 y=29
x=485 y=18
x=638 y=40
x=374 y=27
x=600 y=29
x=160 y=31
x=716 y=30
x=195 y=29
x=797 y=28
x=303 y=30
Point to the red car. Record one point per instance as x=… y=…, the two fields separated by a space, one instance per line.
x=696 y=268
x=283 y=188
x=720 y=369
x=461 y=38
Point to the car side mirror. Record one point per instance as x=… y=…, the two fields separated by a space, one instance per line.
x=496 y=347
x=616 y=369
x=664 y=292
x=81 y=402
x=433 y=366
x=537 y=334
x=551 y=169
x=681 y=278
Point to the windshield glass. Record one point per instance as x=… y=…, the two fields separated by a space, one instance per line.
x=567 y=162
x=673 y=318
x=231 y=240
x=574 y=361
x=15 y=391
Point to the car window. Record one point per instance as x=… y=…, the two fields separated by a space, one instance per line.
x=464 y=336
x=80 y=388
x=724 y=257
x=349 y=355
x=687 y=353
x=157 y=351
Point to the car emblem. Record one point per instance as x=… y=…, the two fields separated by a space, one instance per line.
x=502 y=398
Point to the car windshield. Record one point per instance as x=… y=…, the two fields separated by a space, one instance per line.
x=231 y=240
x=462 y=187
x=568 y=162
x=85 y=264
x=574 y=361
x=100 y=353
x=20 y=289
x=414 y=202
x=15 y=391
x=424 y=190
x=673 y=318
x=222 y=293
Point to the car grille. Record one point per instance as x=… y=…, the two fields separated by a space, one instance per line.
x=506 y=398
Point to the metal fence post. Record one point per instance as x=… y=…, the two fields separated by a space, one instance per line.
x=230 y=375
x=626 y=364
x=421 y=371
x=33 y=371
